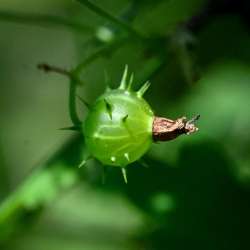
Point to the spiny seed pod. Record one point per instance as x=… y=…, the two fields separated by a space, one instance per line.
x=121 y=126
x=118 y=128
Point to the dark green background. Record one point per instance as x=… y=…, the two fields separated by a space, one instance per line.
x=195 y=192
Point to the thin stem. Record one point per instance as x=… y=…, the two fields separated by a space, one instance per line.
x=43 y=20
x=123 y=25
x=74 y=82
x=72 y=103
x=75 y=79
x=49 y=68
x=101 y=52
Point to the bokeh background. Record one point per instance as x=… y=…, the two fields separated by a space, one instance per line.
x=194 y=192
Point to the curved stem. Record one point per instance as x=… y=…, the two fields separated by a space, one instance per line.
x=123 y=25
x=100 y=52
x=72 y=103
x=50 y=68
x=43 y=20
x=74 y=82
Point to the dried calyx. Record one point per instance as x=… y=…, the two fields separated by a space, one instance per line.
x=165 y=129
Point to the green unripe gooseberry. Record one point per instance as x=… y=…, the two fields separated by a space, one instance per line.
x=118 y=128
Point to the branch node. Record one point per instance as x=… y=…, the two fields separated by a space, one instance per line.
x=49 y=68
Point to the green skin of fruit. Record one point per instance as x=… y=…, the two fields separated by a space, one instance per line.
x=118 y=128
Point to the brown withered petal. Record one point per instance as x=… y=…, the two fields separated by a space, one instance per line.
x=165 y=129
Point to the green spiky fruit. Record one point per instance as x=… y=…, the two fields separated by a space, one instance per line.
x=118 y=128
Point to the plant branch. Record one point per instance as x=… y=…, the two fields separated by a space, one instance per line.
x=118 y=22
x=72 y=103
x=49 y=68
x=43 y=20
x=74 y=82
x=97 y=54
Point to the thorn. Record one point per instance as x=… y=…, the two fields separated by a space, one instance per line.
x=124 y=78
x=72 y=128
x=124 y=174
x=108 y=108
x=84 y=102
x=126 y=155
x=124 y=119
x=130 y=82
x=82 y=163
x=143 y=89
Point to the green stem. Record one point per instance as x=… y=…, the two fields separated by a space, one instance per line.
x=43 y=20
x=99 y=53
x=74 y=82
x=118 y=22
x=75 y=76
x=72 y=103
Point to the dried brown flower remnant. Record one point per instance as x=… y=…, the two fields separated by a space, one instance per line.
x=165 y=129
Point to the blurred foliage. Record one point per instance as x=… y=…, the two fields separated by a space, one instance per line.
x=190 y=193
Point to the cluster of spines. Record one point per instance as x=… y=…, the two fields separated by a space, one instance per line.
x=127 y=82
